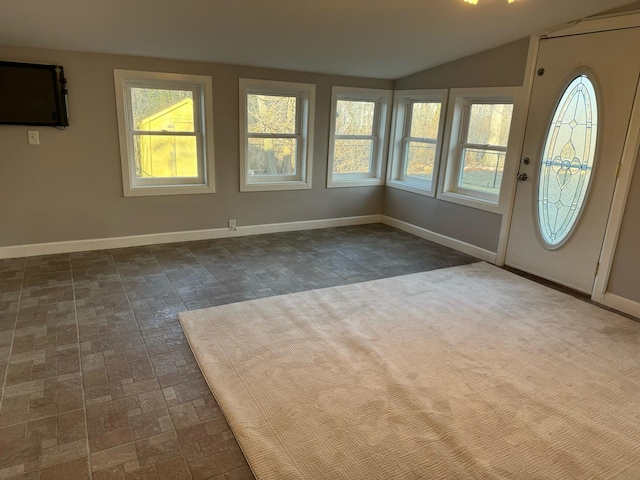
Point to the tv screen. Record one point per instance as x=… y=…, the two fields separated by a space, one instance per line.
x=32 y=94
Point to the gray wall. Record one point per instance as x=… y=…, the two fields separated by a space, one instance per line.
x=470 y=225
x=70 y=186
x=625 y=275
x=502 y=66
x=498 y=67
x=626 y=8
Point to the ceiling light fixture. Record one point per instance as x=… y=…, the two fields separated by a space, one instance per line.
x=475 y=2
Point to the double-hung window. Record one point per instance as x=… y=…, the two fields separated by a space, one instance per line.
x=359 y=123
x=416 y=140
x=276 y=135
x=165 y=126
x=478 y=138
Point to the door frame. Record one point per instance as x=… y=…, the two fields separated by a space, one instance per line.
x=626 y=165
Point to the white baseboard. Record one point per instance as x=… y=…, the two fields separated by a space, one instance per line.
x=171 y=237
x=459 y=245
x=622 y=304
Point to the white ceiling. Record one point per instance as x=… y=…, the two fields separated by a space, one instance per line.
x=371 y=38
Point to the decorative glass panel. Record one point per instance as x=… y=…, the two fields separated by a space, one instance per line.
x=567 y=164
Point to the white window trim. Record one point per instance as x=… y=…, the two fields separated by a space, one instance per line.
x=451 y=156
x=305 y=116
x=382 y=120
x=398 y=140
x=123 y=79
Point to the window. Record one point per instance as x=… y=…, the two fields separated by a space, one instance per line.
x=276 y=135
x=165 y=124
x=416 y=140
x=568 y=160
x=359 y=119
x=479 y=127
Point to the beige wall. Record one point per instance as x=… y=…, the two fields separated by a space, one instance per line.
x=70 y=187
x=627 y=8
x=625 y=275
x=498 y=67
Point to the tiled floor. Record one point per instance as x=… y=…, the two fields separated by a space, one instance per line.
x=98 y=380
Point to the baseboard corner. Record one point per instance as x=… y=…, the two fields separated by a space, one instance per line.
x=622 y=304
x=464 y=247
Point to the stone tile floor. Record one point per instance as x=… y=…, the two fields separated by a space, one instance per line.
x=98 y=380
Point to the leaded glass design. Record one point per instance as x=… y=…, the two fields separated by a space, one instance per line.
x=568 y=161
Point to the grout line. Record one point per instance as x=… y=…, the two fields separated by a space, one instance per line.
x=13 y=336
x=84 y=397
x=144 y=345
x=185 y=336
x=46 y=416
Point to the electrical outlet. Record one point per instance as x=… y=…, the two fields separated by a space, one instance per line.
x=232 y=225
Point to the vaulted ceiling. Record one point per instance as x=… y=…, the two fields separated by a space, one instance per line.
x=371 y=38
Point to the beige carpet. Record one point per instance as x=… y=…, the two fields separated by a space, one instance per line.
x=465 y=372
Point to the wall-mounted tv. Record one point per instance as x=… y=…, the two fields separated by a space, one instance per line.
x=32 y=94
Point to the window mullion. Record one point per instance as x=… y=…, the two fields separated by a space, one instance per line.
x=355 y=137
x=477 y=146
x=274 y=135
x=431 y=141
x=165 y=133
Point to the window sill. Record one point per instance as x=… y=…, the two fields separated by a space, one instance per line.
x=411 y=187
x=275 y=186
x=470 y=201
x=354 y=182
x=157 y=190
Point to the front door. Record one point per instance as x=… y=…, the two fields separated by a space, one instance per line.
x=581 y=104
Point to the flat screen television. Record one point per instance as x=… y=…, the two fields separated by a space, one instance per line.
x=32 y=94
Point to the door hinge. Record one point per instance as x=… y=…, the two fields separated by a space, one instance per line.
x=618 y=171
x=597 y=269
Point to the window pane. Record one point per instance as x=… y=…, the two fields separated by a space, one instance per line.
x=425 y=120
x=420 y=159
x=165 y=156
x=272 y=156
x=271 y=114
x=354 y=117
x=489 y=124
x=352 y=156
x=482 y=170
x=156 y=109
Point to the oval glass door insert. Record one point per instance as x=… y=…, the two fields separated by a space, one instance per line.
x=568 y=161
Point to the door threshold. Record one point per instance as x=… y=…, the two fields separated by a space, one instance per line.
x=569 y=291
x=556 y=286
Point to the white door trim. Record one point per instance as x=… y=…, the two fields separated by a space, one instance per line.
x=620 y=195
x=604 y=23
x=630 y=150
x=520 y=124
